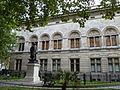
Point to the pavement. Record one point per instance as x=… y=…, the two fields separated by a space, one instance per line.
x=52 y=88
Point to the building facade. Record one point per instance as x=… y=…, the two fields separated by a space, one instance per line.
x=66 y=46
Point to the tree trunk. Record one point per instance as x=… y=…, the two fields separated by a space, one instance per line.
x=64 y=86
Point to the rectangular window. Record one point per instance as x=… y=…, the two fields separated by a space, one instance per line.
x=97 y=41
x=21 y=46
x=111 y=40
x=94 y=41
x=114 y=40
x=45 y=45
x=92 y=65
x=59 y=44
x=110 y=64
x=18 y=64
x=108 y=43
x=95 y=64
x=43 y=65
x=56 y=64
x=117 y=67
x=113 y=64
x=55 y=44
x=75 y=43
x=98 y=65
x=75 y=65
x=91 y=41
x=110 y=67
x=72 y=65
x=72 y=43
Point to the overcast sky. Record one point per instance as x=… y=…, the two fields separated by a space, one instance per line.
x=98 y=1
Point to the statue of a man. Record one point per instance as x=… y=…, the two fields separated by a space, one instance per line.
x=33 y=51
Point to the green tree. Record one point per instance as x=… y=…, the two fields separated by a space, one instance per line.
x=29 y=13
x=66 y=77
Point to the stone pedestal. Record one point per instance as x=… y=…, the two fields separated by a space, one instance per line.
x=32 y=76
x=32 y=73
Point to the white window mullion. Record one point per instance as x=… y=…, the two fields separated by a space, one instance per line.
x=94 y=42
x=75 y=65
x=57 y=44
x=89 y=41
x=43 y=66
x=69 y=43
x=119 y=63
x=95 y=65
x=79 y=42
x=113 y=60
x=45 y=45
x=74 y=43
x=56 y=64
x=110 y=40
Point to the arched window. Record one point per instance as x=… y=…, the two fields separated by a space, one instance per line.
x=45 y=42
x=34 y=39
x=74 y=40
x=94 y=38
x=57 y=41
x=111 y=37
x=21 y=44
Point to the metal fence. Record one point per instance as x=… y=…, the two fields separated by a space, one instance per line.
x=103 y=76
x=12 y=73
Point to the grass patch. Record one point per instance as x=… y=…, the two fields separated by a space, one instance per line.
x=22 y=88
x=81 y=83
x=10 y=78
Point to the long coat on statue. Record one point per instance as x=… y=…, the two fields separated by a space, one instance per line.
x=33 y=52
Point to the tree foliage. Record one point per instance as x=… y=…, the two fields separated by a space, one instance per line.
x=66 y=76
x=29 y=13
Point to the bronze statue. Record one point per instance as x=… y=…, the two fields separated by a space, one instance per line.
x=33 y=52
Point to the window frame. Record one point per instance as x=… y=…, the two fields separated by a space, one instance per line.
x=111 y=40
x=45 y=44
x=56 y=65
x=43 y=63
x=74 y=65
x=96 y=64
x=57 y=44
x=113 y=64
x=75 y=42
x=94 y=42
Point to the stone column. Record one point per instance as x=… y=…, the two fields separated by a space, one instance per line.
x=65 y=44
x=103 y=41
x=118 y=40
x=50 y=45
x=84 y=64
x=104 y=64
x=65 y=63
x=27 y=47
x=39 y=45
x=84 y=42
x=49 y=66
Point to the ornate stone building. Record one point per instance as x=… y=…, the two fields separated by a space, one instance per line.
x=66 y=46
